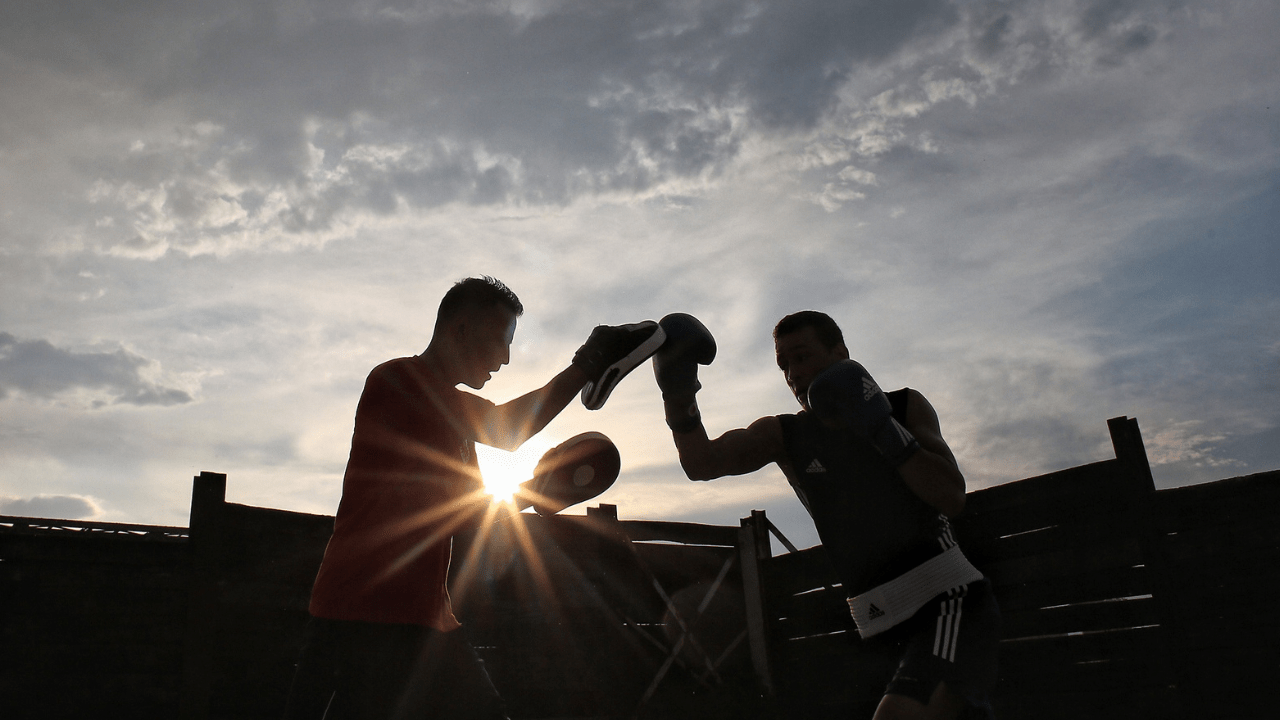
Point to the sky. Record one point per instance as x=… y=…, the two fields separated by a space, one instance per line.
x=217 y=217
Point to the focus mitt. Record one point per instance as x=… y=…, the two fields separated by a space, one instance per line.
x=576 y=470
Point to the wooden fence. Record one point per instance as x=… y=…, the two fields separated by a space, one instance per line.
x=1118 y=602
x=92 y=619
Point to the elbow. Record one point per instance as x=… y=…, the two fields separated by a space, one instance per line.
x=697 y=471
x=953 y=505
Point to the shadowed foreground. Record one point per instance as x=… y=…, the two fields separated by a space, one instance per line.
x=1119 y=601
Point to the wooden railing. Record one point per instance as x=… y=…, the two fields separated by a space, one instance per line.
x=1119 y=601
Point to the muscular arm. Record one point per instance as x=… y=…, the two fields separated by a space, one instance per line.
x=736 y=452
x=508 y=425
x=932 y=473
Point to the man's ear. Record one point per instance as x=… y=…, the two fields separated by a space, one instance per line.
x=842 y=351
x=459 y=329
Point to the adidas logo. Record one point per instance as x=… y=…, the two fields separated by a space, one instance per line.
x=875 y=612
x=869 y=388
x=815 y=467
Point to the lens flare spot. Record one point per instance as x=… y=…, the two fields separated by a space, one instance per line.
x=504 y=471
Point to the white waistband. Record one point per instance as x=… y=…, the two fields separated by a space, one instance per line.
x=884 y=606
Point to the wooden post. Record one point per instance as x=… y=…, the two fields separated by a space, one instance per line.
x=1126 y=439
x=753 y=551
x=1132 y=455
x=604 y=511
x=208 y=495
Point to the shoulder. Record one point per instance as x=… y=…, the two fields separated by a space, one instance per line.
x=899 y=400
x=772 y=432
x=917 y=408
x=392 y=369
x=769 y=426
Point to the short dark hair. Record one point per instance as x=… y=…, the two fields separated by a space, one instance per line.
x=477 y=294
x=824 y=327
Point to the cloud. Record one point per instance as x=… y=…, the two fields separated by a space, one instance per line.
x=282 y=128
x=39 y=369
x=1188 y=442
x=1041 y=214
x=62 y=507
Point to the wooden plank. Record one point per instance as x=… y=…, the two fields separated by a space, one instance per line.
x=638 y=530
x=92 y=603
x=52 y=578
x=1147 y=703
x=798 y=572
x=1032 y=660
x=686 y=533
x=1218 y=503
x=1258 y=570
x=118 y=532
x=1079 y=560
x=1241 y=620
x=1073 y=487
x=72 y=695
x=1108 y=525
x=1067 y=590
x=1245 y=537
x=99 y=658
x=1029 y=674
x=1085 y=617
x=814 y=613
x=91 y=550
x=152 y=625
x=976 y=527
x=1221 y=683
x=841 y=673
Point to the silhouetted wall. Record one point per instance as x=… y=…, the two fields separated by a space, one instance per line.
x=1119 y=602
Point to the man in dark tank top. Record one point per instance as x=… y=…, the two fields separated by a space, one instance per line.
x=880 y=482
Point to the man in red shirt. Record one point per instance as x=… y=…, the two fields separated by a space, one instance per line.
x=382 y=641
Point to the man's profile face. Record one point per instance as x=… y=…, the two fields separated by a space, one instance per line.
x=487 y=345
x=801 y=356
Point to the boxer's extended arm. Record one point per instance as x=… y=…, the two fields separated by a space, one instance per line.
x=675 y=367
x=932 y=473
x=736 y=452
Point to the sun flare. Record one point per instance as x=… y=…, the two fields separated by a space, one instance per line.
x=504 y=471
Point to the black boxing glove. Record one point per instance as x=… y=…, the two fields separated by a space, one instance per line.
x=845 y=396
x=675 y=366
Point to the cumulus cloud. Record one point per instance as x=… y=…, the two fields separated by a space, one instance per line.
x=272 y=143
x=39 y=369
x=61 y=507
x=1042 y=213
x=1188 y=442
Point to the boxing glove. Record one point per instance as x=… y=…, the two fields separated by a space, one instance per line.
x=688 y=344
x=845 y=396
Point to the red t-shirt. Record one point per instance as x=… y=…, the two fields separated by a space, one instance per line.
x=411 y=478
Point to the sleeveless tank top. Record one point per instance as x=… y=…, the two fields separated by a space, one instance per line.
x=870 y=523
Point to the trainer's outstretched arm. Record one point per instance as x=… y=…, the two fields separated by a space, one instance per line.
x=511 y=423
x=515 y=421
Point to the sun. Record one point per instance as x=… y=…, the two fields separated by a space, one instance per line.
x=504 y=471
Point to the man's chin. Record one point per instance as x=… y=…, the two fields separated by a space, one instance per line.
x=479 y=382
